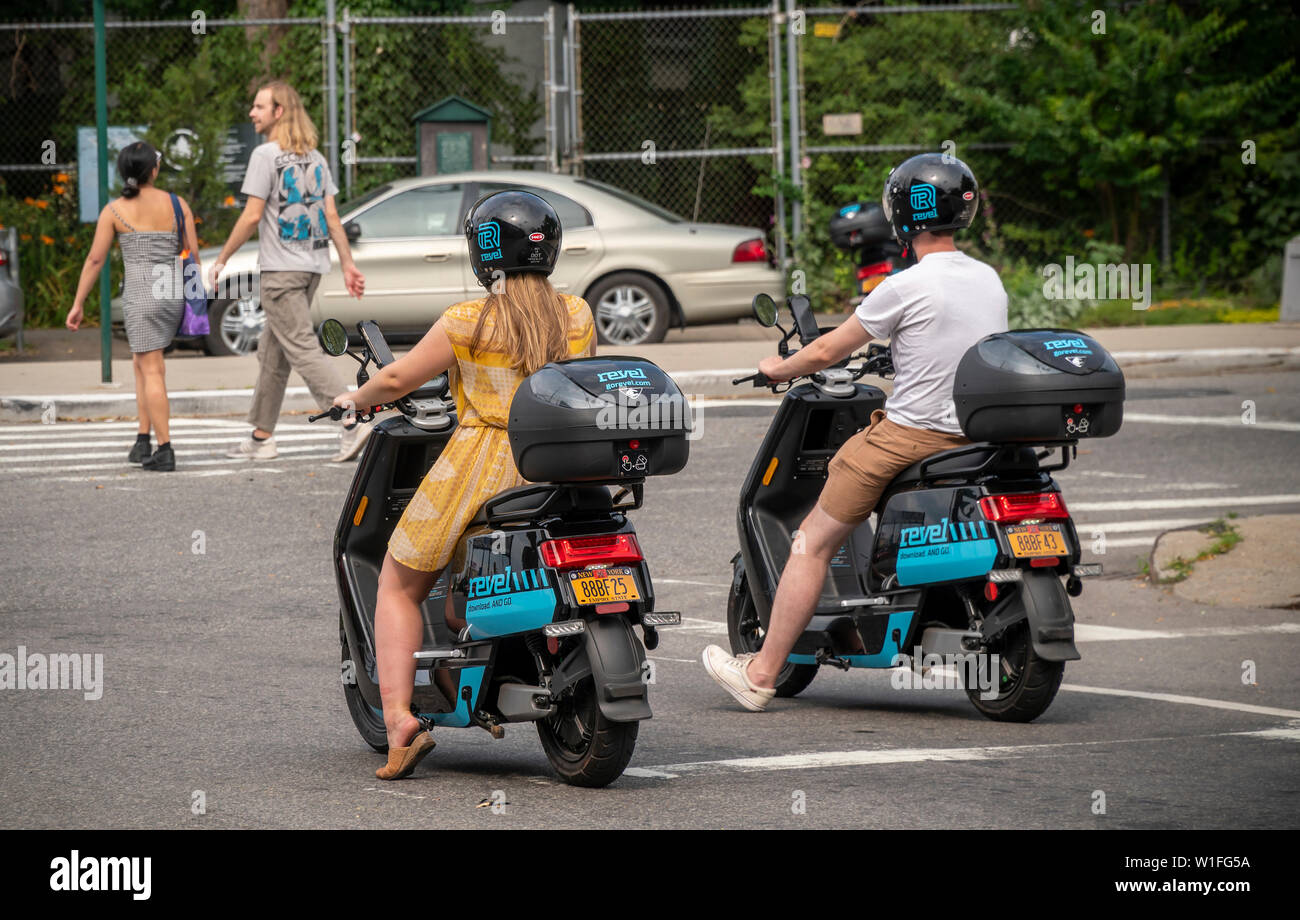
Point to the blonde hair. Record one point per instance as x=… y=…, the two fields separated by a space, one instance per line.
x=530 y=322
x=294 y=131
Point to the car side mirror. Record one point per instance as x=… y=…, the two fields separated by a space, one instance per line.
x=352 y=230
x=333 y=337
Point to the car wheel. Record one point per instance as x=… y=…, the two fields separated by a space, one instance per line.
x=629 y=309
x=235 y=325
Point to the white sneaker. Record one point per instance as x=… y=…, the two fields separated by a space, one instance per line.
x=351 y=441
x=729 y=670
x=248 y=449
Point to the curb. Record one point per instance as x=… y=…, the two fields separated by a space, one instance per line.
x=711 y=383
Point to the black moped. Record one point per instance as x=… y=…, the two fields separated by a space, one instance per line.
x=974 y=556
x=553 y=588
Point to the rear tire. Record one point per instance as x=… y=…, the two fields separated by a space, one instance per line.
x=1027 y=684
x=368 y=720
x=744 y=633
x=584 y=747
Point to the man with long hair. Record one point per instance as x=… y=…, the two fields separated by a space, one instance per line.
x=291 y=205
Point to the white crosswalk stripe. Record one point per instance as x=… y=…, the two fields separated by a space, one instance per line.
x=101 y=447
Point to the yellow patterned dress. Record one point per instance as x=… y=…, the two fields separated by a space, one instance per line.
x=476 y=464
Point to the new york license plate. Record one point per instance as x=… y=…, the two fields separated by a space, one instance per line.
x=604 y=586
x=1037 y=540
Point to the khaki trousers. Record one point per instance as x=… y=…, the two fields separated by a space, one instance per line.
x=289 y=343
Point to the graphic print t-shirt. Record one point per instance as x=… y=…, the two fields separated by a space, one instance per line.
x=292 y=235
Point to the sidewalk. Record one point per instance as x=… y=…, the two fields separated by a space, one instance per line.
x=1260 y=571
x=703 y=360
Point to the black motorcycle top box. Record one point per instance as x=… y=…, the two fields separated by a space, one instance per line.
x=1038 y=385
x=598 y=419
x=860 y=225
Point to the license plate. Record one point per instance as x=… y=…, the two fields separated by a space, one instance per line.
x=604 y=586
x=1037 y=540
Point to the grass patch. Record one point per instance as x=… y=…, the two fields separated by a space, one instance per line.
x=1226 y=537
x=1176 y=312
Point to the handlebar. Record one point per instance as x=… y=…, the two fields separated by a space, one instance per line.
x=878 y=361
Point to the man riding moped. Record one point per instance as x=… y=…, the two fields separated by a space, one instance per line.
x=932 y=313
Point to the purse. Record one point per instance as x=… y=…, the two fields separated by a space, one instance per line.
x=194 y=318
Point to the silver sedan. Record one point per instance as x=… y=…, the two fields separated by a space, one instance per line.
x=642 y=268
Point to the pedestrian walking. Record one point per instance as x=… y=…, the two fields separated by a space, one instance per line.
x=144 y=221
x=290 y=204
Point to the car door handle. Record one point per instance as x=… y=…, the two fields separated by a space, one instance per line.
x=575 y=248
x=436 y=257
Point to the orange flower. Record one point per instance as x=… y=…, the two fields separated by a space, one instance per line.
x=60 y=177
x=58 y=190
x=42 y=204
x=25 y=237
x=230 y=201
x=47 y=240
x=28 y=201
x=197 y=219
x=1089 y=233
x=69 y=239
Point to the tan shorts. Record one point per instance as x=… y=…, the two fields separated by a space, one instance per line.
x=867 y=462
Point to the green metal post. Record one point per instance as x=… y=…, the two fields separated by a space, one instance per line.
x=101 y=134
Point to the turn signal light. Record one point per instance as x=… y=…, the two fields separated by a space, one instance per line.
x=579 y=552
x=1007 y=509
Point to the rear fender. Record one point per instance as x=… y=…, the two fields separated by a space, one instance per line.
x=617 y=663
x=1040 y=597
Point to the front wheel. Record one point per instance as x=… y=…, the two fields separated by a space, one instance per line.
x=746 y=635
x=1026 y=684
x=235 y=326
x=368 y=720
x=584 y=747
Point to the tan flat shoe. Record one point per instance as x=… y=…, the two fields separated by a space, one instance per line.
x=403 y=760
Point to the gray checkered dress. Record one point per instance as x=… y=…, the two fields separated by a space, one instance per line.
x=150 y=323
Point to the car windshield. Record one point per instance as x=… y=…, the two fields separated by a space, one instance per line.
x=365 y=199
x=629 y=198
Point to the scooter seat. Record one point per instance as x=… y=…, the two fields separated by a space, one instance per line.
x=966 y=462
x=523 y=502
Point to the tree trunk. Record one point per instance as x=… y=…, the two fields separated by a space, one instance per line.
x=269 y=36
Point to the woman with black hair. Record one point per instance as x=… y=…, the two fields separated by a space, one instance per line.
x=144 y=221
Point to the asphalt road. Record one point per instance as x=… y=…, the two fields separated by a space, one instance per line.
x=221 y=671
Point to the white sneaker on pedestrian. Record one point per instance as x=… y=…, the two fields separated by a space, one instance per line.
x=729 y=670
x=249 y=449
x=351 y=441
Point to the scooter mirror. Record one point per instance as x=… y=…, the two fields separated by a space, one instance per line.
x=764 y=309
x=333 y=337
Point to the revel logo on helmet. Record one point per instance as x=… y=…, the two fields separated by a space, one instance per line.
x=489 y=240
x=922 y=195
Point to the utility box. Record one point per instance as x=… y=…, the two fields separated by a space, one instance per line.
x=452 y=136
x=1291 y=282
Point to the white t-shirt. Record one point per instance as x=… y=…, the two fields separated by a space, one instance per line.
x=292 y=235
x=933 y=312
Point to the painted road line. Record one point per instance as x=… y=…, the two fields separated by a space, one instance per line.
x=1127 y=542
x=687 y=581
x=1141 y=526
x=887 y=757
x=28 y=429
x=182 y=451
x=695 y=624
x=1161 y=504
x=185 y=441
x=309 y=453
x=1086 y=632
x=1218 y=421
x=1186 y=700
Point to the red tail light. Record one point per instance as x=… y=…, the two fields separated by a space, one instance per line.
x=578 y=552
x=1008 y=509
x=750 y=251
x=869 y=271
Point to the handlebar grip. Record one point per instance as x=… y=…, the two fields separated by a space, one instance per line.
x=333 y=412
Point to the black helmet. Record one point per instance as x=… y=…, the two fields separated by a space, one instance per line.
x=931 y=191
x=511 y=231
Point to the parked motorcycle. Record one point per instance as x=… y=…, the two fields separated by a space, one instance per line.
x=553 y=585
x=863 y=231
x=974 y=556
